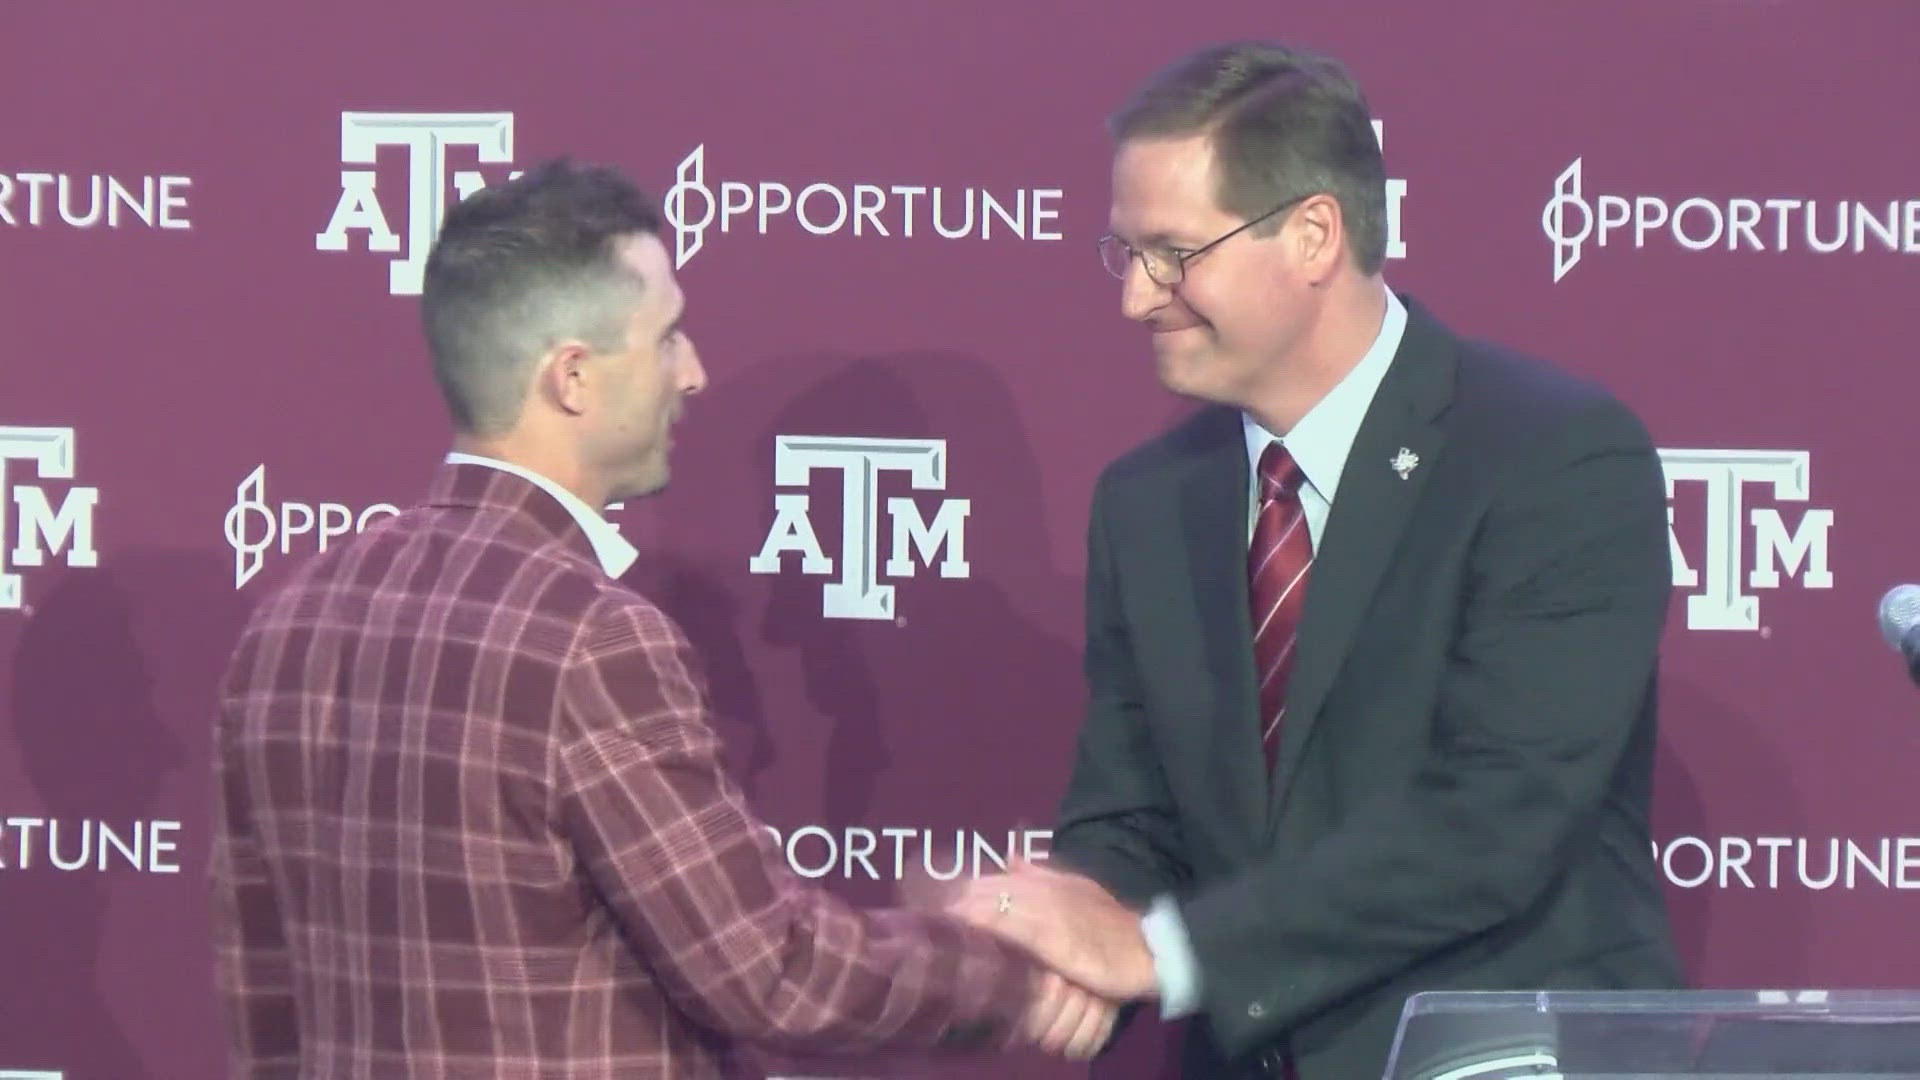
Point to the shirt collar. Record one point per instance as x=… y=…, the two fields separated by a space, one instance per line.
x=1323 y=438
x=616 y=555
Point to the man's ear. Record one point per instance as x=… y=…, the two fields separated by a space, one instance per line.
x=563 y=378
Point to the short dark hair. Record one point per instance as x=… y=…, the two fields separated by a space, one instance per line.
x=521 y=266
x=1283 y=122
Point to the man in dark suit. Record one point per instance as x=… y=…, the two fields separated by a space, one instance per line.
x=471 y=816
x=1371 y=637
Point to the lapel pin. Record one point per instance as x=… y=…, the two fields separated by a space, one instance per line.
x=1405 y=462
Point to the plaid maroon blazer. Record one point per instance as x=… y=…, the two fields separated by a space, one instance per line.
x=471 y=822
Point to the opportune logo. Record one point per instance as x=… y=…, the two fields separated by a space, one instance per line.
x=858 y=593
x=84 y=201
x=254 y=525
x=892 y=853
x=427 y=138
x=1721 y=570
x=1572 y=220
x=823 y=208
x=1811 y=863
x=37 y=528
x=88 y=845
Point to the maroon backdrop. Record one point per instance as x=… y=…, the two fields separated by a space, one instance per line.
x=212 y=217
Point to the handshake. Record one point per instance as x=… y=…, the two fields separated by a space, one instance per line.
x=1090 y=941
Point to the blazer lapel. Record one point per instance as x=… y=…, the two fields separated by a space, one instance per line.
x=1378 y=490
x=1211 y=491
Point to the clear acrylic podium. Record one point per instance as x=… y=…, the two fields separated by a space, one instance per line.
x=1653 y=1035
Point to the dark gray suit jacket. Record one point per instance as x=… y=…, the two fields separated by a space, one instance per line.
x=1463 y=780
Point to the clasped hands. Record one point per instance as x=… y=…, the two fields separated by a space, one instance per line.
x=1090 y=940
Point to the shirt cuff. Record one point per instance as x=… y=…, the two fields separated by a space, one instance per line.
x=1175 y=968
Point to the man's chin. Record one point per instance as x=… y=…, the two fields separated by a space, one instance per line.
x=642 y=486
x=1178 y=370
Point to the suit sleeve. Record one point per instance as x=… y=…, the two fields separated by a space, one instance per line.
x=1567 y=592
x=1117 y=822
x=253 y=964
x=737 y=941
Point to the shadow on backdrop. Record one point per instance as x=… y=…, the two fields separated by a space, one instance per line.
x=1711 y=919
x=113 y=694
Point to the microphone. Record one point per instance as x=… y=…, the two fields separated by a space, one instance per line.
x=1900 y=625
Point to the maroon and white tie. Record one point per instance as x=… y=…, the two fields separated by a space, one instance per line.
x=1278 y=561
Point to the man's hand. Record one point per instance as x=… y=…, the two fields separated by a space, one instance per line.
x=1066 y=1019
x=1072 y=924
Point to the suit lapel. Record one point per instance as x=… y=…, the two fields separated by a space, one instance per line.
x=1369 y=514
x=1211 y=491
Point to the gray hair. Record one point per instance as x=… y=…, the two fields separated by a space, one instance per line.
x=520 y=267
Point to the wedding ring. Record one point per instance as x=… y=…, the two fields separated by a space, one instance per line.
x=1003 y=903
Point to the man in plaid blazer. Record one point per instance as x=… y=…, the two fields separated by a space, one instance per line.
x=471 y=817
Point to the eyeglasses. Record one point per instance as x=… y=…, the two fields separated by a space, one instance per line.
x=1167 y=267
